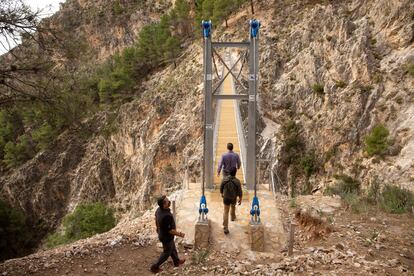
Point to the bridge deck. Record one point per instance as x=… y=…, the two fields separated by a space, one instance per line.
x=227 y=129
x=187 y=207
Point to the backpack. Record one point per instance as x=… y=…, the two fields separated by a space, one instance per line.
x=230 y=190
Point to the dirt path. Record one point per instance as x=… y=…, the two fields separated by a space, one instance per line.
x=237 y=240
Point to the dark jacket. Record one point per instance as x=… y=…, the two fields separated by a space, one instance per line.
x=226 y=180
x=165 y=223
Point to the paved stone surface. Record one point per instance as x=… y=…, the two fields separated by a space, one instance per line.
x=238 y=239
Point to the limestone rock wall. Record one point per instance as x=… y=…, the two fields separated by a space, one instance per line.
x=357 y=50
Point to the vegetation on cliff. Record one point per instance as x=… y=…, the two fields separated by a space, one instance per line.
x=87 y=220
x=15 y=237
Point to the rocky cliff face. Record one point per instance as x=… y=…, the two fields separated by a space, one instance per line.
x=355 y=50
x=142 y=155
x=101 y=28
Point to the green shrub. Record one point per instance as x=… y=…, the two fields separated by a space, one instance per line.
x=374 y=191
x=409 y=69
x=308 y=163
x=111 y=125
x=340 y=84
x=365 y=88
x=155 y=46
x=56 y=239
x=376 y=143
x=344 y=185
x=399 y=100
x=118 y=74
x=200 y=257
x=292 y=138
x=396 y=200
x=17 y=153
x=43 y=136
x=11 y=126
x=87 y=220
x=330 y=153
x=293 y=203
x=14 y=234
x=318 y=88
x=355 y=203
x=348 y=189
x=293 y=143
x=117 y=9
x=221 y=11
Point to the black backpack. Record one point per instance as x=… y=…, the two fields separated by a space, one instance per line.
x=230 y=189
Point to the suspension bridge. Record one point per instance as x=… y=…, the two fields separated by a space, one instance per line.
x=200 y=211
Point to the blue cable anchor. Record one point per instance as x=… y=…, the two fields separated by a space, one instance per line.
x=254 y=27
x=255 y=211
x=207 y=25
x=203 y=210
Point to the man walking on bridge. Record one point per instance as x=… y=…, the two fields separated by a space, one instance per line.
x=228 y=161
x=166 y=230
x=230 y=189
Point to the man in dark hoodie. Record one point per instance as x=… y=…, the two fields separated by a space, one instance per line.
x=166 y=230
x=230 y=189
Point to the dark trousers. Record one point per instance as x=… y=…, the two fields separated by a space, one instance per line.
x=169 y=250
x=226 y=172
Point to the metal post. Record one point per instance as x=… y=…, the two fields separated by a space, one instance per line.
x=270 y=179
x=251 y=135
x=291 y=239
x=208 y=108
x=258 y=168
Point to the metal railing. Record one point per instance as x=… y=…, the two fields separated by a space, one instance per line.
x=274 y=179
x=186 y=180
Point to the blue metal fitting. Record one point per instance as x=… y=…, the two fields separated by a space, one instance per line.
x=206 y=28
x=255 y=207
x=254 y=27
x=203 y=205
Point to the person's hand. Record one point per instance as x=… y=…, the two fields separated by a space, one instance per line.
x=222 y=195
x=218 y=174
x=239 y=201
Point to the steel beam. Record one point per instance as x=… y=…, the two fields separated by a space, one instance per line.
x=229 y=71
x=251 y=134
x=230 y=44
x=230 y=97
x=209 y=119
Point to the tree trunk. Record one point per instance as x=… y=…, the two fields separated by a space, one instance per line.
x=226 y=23
x=252 y=6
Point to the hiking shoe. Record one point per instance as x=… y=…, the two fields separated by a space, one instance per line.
x=226 y=231
x=233 y=219
x=180 y=262
x=155 y=270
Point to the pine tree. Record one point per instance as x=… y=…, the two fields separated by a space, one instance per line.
x=172 y=49
x=221 y=10
x=182 y=20
x=207 y=10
